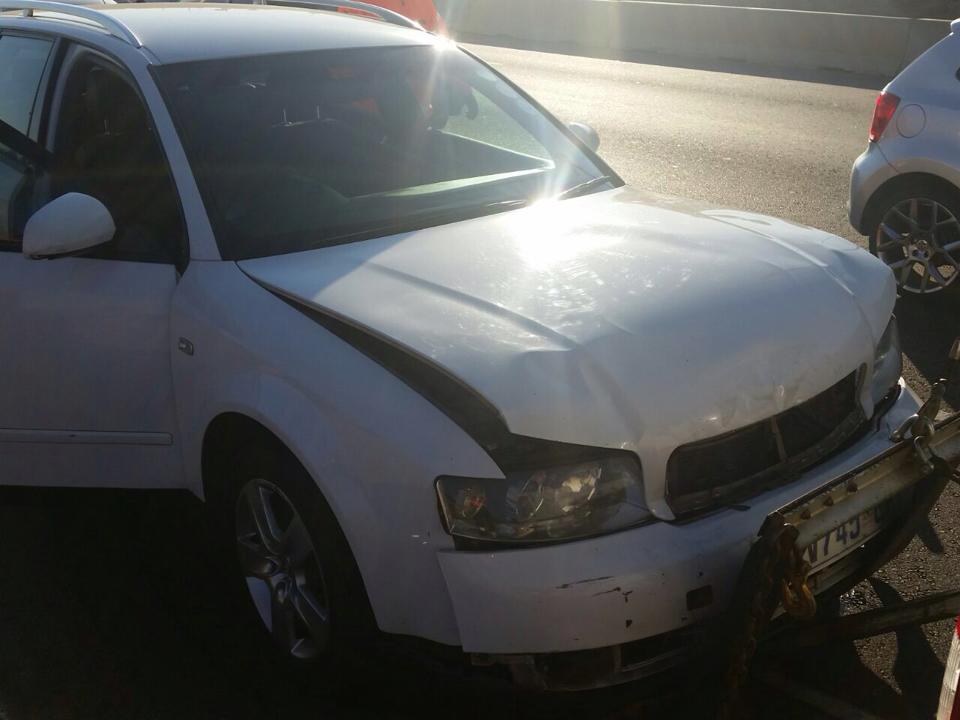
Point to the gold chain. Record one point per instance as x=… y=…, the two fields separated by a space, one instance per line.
x=795 y=594
x=758 y=615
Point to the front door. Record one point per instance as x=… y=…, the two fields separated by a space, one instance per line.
x=86 y=396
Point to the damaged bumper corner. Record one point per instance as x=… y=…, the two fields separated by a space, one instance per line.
x=901 y=472
x=631 y=605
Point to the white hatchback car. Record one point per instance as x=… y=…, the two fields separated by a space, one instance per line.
x=431 y=364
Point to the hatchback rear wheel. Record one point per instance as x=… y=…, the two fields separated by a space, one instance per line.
x=918 y=237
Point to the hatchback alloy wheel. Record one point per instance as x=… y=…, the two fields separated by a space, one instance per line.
x=282 y=570
x=919 y=239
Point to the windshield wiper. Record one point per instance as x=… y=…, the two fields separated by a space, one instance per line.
x=441 y=216
x=418 y=221
x=585 y=187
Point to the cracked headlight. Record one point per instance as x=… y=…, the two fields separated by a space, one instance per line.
x=887 y=362
x=557 y=503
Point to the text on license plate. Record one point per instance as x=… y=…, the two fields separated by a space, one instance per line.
x=846 y=538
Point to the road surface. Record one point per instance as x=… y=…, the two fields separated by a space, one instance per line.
x=776 y=146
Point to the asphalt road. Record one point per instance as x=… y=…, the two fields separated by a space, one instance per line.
x=777 y=146
x=108 y=610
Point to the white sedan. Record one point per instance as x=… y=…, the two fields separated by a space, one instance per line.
x=433 y=367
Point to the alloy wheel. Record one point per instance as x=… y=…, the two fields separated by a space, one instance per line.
x=919 y=239
x=282 y=571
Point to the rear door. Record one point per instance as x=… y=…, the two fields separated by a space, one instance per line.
x=86 y=395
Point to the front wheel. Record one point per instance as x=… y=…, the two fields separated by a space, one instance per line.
x=282 y=571
x=292 y=567
x=918 y=236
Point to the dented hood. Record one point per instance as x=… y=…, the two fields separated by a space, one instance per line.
x=618 y=319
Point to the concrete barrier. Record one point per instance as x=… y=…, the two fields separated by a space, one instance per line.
x=867 y=44
x=923 y=34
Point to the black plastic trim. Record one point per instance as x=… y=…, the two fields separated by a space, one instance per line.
x=467 y=408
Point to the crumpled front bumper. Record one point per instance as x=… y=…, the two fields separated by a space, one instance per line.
x=625 y=589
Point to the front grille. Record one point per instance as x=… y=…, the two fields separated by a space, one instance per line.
x=769 y=453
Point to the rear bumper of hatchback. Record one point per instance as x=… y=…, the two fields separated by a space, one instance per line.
x=870 y=171
x=630 y=603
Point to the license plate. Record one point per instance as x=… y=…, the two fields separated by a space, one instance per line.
x=847 y=537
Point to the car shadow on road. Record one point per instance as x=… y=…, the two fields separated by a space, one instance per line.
x=917 y=669
x=928 y=326
x=110 y=609
x=927 y=534
x=838 y=671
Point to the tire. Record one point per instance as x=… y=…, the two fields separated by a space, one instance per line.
x=292 y=577
x=915 y=230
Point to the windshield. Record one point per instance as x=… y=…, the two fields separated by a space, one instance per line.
x=305 y=150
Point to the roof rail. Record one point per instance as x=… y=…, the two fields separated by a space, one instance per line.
x=394 y=18
x=105 y=20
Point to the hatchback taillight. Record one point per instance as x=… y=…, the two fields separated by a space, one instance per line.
x=882 y=113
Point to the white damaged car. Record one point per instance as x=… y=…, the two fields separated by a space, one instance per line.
x=433 y=366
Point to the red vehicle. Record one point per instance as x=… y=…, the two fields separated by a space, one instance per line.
x=423 y=11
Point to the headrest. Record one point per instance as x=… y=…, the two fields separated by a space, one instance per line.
x=112 y=104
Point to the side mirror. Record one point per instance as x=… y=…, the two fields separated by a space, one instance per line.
x=585 y=134
x=69 y=224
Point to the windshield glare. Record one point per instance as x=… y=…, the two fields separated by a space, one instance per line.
x=306 y=150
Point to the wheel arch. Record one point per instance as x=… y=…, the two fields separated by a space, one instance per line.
x=232 y=429
x=881 y=197
x=223 y=436
x=230 y=432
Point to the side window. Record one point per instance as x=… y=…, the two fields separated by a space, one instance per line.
x=486 y=122
x=106 y=146
x=22 y=62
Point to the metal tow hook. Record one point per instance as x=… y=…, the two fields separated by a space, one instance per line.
x=919 y=427
x=921 y=422
x=922 y=449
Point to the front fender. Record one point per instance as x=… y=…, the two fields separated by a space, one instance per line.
x=372 y=445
